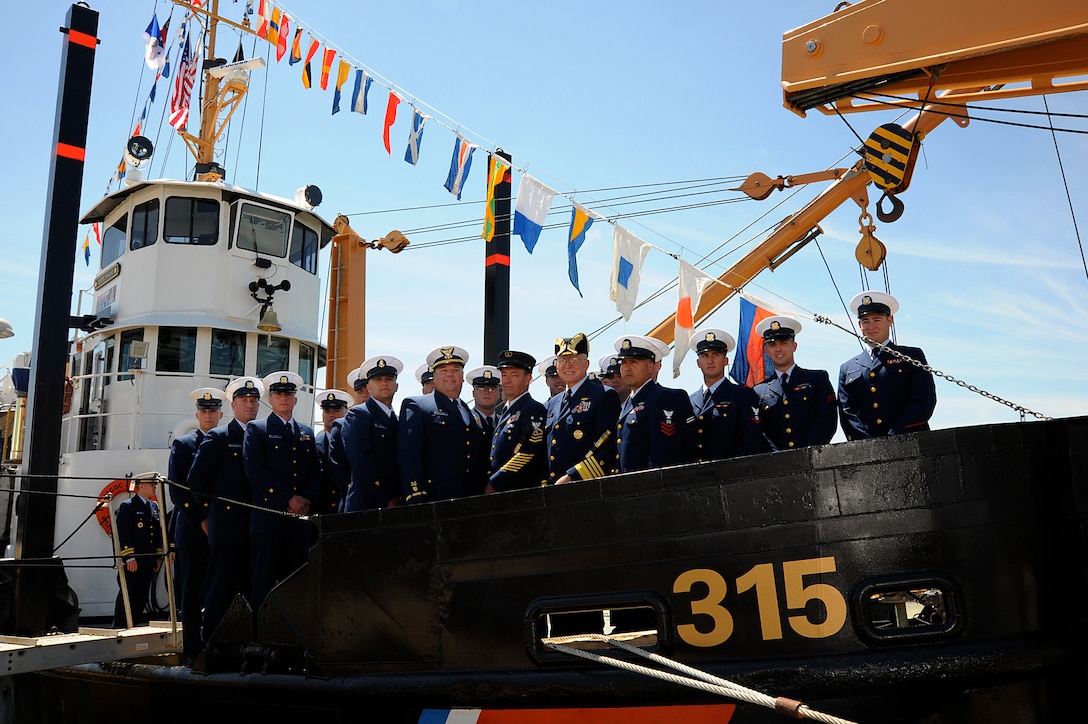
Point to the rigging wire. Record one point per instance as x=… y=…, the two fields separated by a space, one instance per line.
x=1068 y=197
x=952 y=114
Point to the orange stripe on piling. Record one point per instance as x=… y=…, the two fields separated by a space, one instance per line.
x=88 y=41
x=503 y=259
x=67 y=150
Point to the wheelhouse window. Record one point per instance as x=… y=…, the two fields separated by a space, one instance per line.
x=113 y=241
x=228 y=353
x=191 y=221
x=176 y=351
x=304 y=248
x=307 y=356
x=145 y=225
x=273 y=354
x=263 y=230
x=128 y=361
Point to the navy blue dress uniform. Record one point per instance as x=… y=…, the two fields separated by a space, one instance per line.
x=519 y=453
x=139 y=536
x=725 y=421
x=441 y=450
x=879 y=393
x=218 y=472
x=485 y=376
x=334 y=478
x=581 y=424
x=367 y=445
x=189 y=539
x=281 y=462
x=797 y=407
x=656 y=423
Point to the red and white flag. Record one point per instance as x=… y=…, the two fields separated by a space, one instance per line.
x=183 y=88
x=692 y=284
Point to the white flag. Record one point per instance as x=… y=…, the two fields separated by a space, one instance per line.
x=692 y=284
x=628 y=252
x=531 y=210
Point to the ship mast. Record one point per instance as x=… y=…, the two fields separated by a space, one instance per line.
x=225 y=86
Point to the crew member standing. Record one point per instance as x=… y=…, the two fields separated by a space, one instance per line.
x=486 y=398
x=367 y=445
x=797 y=407
x=191 y=520
x=334 y=480
x=655 y=422
x=357 y=381
x=725 y=418
x=282 y=463
x=519 y=454
x=581 y=422
x=442 y=451
x=139 y=535
x=551 y=377
x=425 y=377
x=879 y=392
x=218 y=472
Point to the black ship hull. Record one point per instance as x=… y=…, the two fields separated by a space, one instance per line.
x=932 y=577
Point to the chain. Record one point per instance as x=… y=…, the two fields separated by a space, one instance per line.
x=935 y=372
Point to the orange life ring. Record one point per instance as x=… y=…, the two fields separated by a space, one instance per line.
x=114 y=488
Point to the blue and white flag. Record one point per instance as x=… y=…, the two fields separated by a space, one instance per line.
x=154 y=54
x=358 y=96
x=415 y=138
x=531 y=210
x=628 y=252
x=581 y=219
x=459 y=166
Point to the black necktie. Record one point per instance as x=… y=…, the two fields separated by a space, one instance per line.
x=785 y=380
x=706 y=398
x=489 y=426
x=567 y=401
x=290 y=429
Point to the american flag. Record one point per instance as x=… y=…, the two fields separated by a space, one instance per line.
x=183 y=89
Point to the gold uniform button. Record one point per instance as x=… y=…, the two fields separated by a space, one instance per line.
x=787 y=416
x=872 y=389
x=875 y=405
x=270 y=490
x=872 y=374
x=785 y=402
x=789 y=430
x=879 y=421
x=552 y=457
x=791 y=444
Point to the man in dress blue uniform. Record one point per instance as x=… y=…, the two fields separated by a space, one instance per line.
x=139 y=536
x=486 y=397
x=725 y=420
x=610 y=376
x=442 y=451
x=797 y=407
x=357 y=383
x=218 y=472
x=191 y=520
x=551 y=377
x=581 y=422
x=655 y=423
x=367 y=445
x=282 y=464
x=425 y=377
x=519 y=454
x=334 y=479
x=880 y=393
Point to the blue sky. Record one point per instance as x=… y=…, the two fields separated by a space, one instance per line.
x=985 y=261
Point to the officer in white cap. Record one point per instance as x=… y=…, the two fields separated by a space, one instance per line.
x=357 y=382
x=218 y=472
x=797 y=407
x=442 y=452
x=367 y=445
x=881 y=393
x=519 y=453
x=655 y=423
x=486 y=397
x=548 y=371
x=334 y=480
x=581 y=422
x=425 y=377
x=725 y=419
x=282 y=463
x=610 y=375
x=190 y=514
